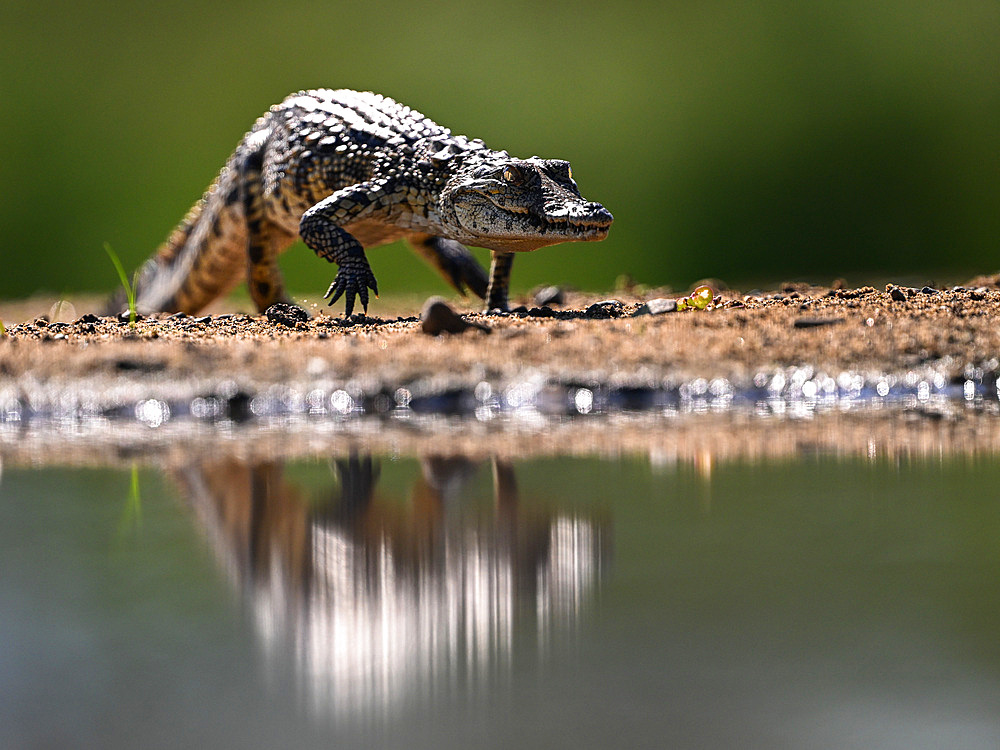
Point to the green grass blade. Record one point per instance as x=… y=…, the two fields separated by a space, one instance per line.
x=129 y=287
x=131 y=518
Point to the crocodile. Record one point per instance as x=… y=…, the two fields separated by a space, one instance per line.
x=347 y=170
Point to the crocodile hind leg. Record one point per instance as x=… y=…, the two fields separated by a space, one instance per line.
x=453 y=261
x=496 y=295
x=265 y=240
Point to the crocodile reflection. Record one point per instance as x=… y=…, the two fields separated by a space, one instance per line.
x=376 y=601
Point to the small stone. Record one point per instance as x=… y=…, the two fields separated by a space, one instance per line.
x=88 y=318
x=282 y=313
x=437 y=317
x=816 y=322
x=597 y=311
x=657 y=307
x=550 y=295
x=928 y=290
x=541 y=312
x=608 y=308
x=897 y=294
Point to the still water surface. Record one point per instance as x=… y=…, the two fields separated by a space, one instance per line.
x=810 y=601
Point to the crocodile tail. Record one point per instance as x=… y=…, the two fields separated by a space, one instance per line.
x=202 y=259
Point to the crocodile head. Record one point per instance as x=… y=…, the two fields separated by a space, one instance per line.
x=515 y=205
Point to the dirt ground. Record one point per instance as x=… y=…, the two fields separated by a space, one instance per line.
x=589 y=338
x=51 y=356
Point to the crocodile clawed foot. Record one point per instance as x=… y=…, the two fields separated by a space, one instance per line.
x=354 y=279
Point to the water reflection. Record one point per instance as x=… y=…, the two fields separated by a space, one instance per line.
x=378 y=601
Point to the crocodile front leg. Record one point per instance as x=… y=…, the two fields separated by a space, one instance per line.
x=453 y=261
x=496 y=295
x=321 y=228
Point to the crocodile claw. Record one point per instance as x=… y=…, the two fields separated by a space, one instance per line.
x=354 y=279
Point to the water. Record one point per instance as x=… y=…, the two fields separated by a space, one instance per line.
x=666 y=597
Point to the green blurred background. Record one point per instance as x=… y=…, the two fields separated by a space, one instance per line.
x=753 y=142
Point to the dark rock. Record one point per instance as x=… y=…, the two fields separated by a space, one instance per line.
x=550 y=295
x=136 y=365
x=657 y=307
x=88 y=318
x=541 y=312
x=897 y=294
x=609 y=308
x=816 y=322
x=126 y=317
x=284 y=314
x=437 y=317
x=928 y=290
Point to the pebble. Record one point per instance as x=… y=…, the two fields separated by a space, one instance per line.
x=657 y=307
x=897 y=294
x=437 y=317
x=550 y=295
x=282 y=313
x=816 y=322
x=609 y=308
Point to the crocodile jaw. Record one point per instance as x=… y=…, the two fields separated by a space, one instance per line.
x=543 y=207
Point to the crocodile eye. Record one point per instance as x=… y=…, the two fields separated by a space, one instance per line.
x=512 y=175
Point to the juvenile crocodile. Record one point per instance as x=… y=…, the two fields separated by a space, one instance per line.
x=346 y=170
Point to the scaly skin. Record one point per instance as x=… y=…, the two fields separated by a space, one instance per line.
x=347 y=170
